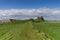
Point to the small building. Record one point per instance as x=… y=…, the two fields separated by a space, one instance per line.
x=40 y=18
x=5 y=21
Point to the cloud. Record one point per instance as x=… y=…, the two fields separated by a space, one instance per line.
x=47 y=13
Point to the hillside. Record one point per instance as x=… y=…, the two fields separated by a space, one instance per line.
x=21 y=31
x=28 y=30
x=50 y=28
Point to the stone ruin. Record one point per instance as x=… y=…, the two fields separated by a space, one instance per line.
x=40 y=18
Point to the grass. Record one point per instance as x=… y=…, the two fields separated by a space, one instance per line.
x=19 y=31
x=27 y=30
x=52 y=29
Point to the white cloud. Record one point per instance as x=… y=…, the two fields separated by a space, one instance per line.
x=30 y=13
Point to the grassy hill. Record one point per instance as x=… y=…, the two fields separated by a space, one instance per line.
x=50 y=28
x=27 y=30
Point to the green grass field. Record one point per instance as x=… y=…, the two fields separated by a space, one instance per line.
x=30 y=31
x=52 y=29
x=19 y=31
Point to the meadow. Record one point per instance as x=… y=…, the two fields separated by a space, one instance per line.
x=27 y=30
x=50 y=28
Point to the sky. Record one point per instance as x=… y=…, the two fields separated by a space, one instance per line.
x=25 y=9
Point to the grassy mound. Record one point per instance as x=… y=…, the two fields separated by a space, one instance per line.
x=18 y=31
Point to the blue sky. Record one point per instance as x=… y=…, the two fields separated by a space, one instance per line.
x=24 y=9
x=7 y=4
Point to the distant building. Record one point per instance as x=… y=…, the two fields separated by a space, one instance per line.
x=5 y=21
x=40 y=18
